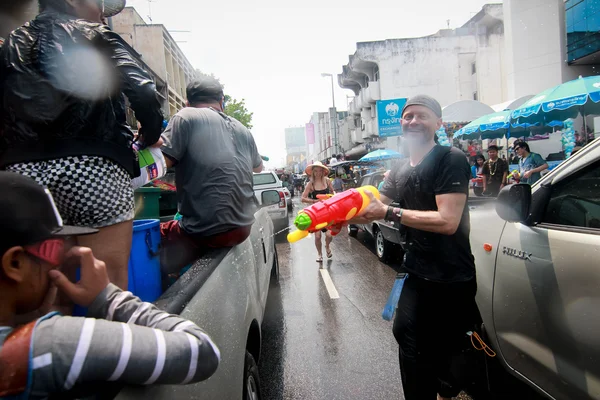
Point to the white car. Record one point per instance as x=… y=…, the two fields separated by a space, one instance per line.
x=288 y=198
x=265 y=183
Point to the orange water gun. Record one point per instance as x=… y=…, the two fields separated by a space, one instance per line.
x=339 y=208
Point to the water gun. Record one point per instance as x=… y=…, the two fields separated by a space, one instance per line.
x=324 y=196
x=265 y=158
x=339 y=208
x=512 y=174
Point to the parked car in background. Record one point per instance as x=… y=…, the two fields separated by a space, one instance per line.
x=386 y=234
x=265 y=183
x=288 y=198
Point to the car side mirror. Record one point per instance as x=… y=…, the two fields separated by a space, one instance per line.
x=270 y=197
x=514 y=202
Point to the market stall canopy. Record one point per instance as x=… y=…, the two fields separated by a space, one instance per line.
x=490 y=126
x=354 y=163
x=379 y=155
x=465 y=111
x=512 y=104
x=579 y=96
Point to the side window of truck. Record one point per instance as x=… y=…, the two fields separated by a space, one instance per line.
x=576 y=200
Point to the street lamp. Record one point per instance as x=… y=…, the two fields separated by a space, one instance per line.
x=335 y=122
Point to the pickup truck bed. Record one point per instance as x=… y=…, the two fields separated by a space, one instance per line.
x=225 y=293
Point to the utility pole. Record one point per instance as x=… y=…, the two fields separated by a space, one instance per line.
x=150 y=11
x=334 y=118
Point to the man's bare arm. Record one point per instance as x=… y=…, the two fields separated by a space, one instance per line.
x=367 y=217
x=445 y=221
x=259 y=168
x=169 y=161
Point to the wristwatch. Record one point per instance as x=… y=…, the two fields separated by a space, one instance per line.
x=394 y=214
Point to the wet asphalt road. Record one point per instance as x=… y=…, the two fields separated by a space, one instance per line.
x=316 y=347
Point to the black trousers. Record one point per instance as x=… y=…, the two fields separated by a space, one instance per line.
x=431 y=325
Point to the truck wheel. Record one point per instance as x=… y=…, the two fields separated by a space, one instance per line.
x=382 y=246
x=275 y=268
x=251 y=379
x=352 y=230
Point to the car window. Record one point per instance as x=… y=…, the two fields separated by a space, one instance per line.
x=263 y=179
x=377 y=180
x=576 y=201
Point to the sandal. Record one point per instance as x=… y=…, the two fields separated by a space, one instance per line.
x=329 y=253
x=320 y=259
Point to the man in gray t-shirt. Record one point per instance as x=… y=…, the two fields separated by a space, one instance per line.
x=214 y=156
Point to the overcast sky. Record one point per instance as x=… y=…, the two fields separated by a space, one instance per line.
x=272 y=54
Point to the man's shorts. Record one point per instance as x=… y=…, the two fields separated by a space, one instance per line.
x=88 y=190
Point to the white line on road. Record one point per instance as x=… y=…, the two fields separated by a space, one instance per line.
x=333 y=293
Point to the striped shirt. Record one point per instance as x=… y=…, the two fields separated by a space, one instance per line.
x=133 y=343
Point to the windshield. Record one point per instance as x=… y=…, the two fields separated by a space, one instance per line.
x=263 y=179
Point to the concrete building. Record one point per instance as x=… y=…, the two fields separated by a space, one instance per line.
x=158 y=50
x=451 y=65
x=295 y=147
x=323 y=146
x=502 y=54
x=538 y=43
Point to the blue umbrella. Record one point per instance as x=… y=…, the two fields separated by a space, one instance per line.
x=579 y=96
x=490 y=126
x=384 y=154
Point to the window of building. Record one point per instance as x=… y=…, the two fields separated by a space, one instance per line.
x=576 y=201
x=583 y=28
x=473 y=69
x=475 y=96
x=376 y=73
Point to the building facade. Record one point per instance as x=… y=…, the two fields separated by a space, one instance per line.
x=503 y=53
x=537 y=43
x=466 y=63
x=322 y=131
x=160 y=52
x=295 y=147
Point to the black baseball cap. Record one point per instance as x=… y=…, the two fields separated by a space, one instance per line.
x=28 y=213
x=204 y=88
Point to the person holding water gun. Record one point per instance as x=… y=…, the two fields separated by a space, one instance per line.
x=530 y=164
x=319 y=185
x=436 y=306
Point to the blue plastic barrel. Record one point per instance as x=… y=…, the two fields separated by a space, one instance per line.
x=144 y=263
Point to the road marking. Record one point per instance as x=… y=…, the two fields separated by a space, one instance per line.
x=333 y=293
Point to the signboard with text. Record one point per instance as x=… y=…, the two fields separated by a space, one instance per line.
x=389 y=118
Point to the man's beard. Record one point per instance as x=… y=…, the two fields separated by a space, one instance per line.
x=416 y=137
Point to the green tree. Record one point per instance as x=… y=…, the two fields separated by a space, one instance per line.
x=237 y=109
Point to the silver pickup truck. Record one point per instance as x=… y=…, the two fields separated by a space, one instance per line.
x=225 y=293
x=537 y=253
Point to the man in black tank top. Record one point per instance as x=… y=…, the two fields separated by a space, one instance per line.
x=437 y=305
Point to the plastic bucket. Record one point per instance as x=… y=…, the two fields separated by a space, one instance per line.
x=144 y=263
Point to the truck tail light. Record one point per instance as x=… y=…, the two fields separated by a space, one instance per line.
x=281 y=199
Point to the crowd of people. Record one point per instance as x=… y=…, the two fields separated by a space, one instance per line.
x=489 y=176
